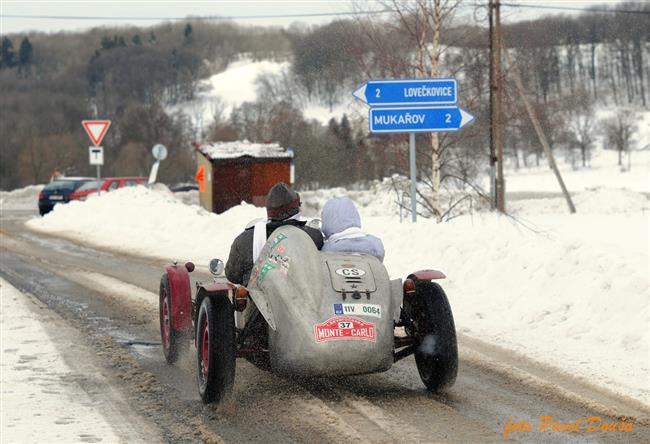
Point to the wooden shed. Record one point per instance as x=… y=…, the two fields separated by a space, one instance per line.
x=241 y=171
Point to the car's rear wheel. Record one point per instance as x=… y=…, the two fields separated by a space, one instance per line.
x=431 y=322
x=215 y=346
x=173 y=342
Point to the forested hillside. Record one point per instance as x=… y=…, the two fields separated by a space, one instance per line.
x=571 y=66
x=127 y=75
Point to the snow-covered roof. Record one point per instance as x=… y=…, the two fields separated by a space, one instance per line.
x=241 y=148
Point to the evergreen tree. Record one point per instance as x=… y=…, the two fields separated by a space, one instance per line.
x=25 y=55
x=137 y=40
x=345 y=133
x=26 y=52
x=333 y=126
x=188 y=34
x=346 y=149
x=107 y=43
x=7 y=54
x=152 y=38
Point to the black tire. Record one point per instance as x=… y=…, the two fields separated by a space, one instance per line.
x=215 y=348
x=432 y=324
x=173 y=342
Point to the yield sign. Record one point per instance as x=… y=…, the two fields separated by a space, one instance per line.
x=200 y=178
x=96 y=129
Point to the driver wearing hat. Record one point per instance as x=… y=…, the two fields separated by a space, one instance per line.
x=282 y=208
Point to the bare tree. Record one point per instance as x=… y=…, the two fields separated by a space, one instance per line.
x=618 y=132
x=408 y=44
x=582 y=125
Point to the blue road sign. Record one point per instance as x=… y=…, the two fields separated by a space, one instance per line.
x=412 y=92
x=418 y=119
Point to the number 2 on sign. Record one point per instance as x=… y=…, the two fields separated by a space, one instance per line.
x=345 y=325
x=447 y=118
x=377 y=90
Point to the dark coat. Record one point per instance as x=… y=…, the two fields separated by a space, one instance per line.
x=240 y=260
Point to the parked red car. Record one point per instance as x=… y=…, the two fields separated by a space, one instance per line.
x=106 y=184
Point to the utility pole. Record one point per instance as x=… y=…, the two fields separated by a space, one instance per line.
x=493 y=157
x=497 y=181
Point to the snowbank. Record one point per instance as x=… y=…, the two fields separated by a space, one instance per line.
x=568 y=290
x=574 y=295
x=188 y=197
x=22 y=198
x=150 y=222
x=41 y=399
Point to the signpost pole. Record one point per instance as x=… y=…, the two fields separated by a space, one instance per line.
x=410 y=106
x=413 y=177
x=96 y=130
x=99 y=183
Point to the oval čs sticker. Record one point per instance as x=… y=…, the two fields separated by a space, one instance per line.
x=349 y=272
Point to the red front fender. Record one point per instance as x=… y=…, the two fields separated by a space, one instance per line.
x=215 y=287
x=427 y=275
x=180 y=296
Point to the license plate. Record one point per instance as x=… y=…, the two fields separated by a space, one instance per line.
x=56 y=197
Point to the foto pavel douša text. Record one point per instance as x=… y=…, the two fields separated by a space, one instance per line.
x=591 y=424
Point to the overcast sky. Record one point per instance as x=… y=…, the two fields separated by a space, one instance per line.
x=150 y=12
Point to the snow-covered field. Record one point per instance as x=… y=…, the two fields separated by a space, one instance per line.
x=222 y=92
x=238 y=84
x=604 y=173
x=568 y=290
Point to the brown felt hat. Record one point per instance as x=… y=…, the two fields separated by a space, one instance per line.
x=282 y=202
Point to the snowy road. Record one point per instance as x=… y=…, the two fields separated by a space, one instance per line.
x=111 y=299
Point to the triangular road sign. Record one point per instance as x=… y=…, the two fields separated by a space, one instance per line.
x=96 y=129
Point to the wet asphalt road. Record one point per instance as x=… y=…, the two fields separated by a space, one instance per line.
x=112 y=299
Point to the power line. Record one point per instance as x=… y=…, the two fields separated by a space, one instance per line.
x=303 y=15
x=209 y=17
x=570 y=8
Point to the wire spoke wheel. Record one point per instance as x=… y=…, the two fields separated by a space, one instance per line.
x=205 y=349
x=165 y=323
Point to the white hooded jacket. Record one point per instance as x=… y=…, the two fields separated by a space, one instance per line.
x=342 y=227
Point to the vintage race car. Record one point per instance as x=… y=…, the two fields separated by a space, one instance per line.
x=308 y=313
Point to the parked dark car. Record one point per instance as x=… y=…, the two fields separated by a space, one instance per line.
x=58 y=191
x=184 y=186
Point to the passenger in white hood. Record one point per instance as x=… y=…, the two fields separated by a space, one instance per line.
x=342 y=227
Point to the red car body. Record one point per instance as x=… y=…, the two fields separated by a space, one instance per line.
x=106 y=184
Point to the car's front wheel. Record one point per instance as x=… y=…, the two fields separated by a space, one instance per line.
x=173 y=342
